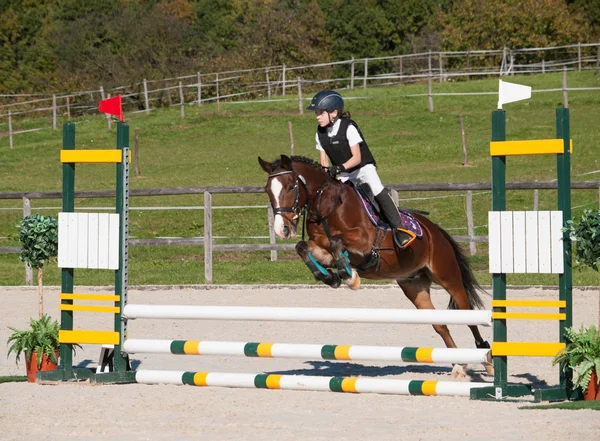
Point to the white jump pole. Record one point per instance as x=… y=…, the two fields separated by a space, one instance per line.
x=304 y=382
x=337 y=315
x=308 y=351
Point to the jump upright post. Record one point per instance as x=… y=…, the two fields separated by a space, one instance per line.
x=92 y=240
x=528 y=242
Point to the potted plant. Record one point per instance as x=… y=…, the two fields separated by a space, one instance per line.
x=39 y=239
x=582 y=355
x=39 y=343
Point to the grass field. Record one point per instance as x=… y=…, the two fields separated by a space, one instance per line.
x=410 y=145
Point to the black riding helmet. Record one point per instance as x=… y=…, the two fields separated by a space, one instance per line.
x=327 y=100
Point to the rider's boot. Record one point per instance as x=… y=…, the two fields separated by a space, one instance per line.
x=402 y=237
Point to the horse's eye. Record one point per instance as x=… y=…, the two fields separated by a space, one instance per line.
x=290 y=187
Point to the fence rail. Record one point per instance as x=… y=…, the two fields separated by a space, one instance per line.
x=208 y=241
x=266 y=82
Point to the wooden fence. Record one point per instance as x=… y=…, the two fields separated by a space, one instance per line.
x=208 y=241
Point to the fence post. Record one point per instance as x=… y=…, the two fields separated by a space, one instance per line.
x=464 y=141
x=102 y=92
x=208 y=239
x=300 y=106
x=54 y=111
x=536 y=199
x=218 y=96
x=512 y=64
x=136 y=153
x=564 y=88
x=543 y=66
x=401 y=68
x=10 y=132
x=146 y=102
x=199 y=88
x=108 y=119
x=366 y=73
x=28 y=269
x=272 y=241
x=181 y=101
x=283 y=73
x=503 y=64
x=429 y=96
x=469 y=65
x=441 y=67
x=598 y=57
x=68 y=107
x=291 y=138
x=352 y=72
x=579 y=56
x=268 y=83
x=470 y=226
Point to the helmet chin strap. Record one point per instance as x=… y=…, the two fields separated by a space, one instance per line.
x=331 y=121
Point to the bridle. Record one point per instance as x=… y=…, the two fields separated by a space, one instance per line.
x=298 y=211
x=295 y=209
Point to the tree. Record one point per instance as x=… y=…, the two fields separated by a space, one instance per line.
x=39 y=239
x=494 y=24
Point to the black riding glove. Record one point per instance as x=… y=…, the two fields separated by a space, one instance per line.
x=336 y=170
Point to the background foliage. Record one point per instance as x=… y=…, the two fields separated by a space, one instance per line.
x=53 y=45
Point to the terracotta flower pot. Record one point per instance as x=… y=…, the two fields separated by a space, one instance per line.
x=593 y=390
x=32 y=368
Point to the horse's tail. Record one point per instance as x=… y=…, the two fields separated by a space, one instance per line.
x=469 y=282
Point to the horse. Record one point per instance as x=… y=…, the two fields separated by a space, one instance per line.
x=345 y=246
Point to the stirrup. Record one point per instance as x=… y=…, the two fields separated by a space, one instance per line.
x=408 y=237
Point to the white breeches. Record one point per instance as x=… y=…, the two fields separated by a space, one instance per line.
x=364 y=175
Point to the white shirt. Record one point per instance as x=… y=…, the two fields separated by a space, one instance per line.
x=351 y=134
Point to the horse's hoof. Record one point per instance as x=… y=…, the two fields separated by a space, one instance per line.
x=458 y=371
x=353 y=282
x=489 y=368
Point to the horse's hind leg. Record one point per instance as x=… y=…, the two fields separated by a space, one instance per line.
x=451 y=281
x=418 y=292
x=316 y=264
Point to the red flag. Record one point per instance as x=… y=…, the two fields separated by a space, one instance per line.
x=112 y=106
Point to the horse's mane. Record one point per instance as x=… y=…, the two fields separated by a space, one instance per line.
x=303 y=159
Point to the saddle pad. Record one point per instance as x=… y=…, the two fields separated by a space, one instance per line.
x=408 y=221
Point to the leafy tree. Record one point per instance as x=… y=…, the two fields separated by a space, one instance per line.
x=494 y=24
x=39 y=240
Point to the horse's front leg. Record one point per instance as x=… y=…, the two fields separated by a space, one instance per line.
x=342 y=262
x=316 y=259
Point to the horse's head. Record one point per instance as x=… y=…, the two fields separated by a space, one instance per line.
x=287 y=192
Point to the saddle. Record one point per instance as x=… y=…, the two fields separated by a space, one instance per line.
x=373 y=212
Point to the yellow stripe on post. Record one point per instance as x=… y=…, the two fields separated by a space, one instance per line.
x=530 y=303
x=191 y=347
x=89 y=337
x=99 y=297
x=429 y=387
x=527 y=316
x=526 y=349
x=423 y=355
x=349 y=384
x=273 y=382
x=342 y=352
x=200 y=378
x=529 y=147
x=264 y=350
x=112 y=156
x=90 y=308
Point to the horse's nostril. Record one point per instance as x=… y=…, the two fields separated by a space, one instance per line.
x=286 y=231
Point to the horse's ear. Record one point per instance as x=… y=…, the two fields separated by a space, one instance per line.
x=286 y=162
x=266 y=166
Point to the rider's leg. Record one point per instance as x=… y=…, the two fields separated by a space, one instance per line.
x=402 y=237
x=318 y=270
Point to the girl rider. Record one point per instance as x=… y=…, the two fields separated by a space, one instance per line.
x=340 y=141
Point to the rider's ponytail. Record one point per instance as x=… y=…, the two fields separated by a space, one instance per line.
x=346 y=114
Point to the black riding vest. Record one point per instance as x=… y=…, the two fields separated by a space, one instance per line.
x=338 y=147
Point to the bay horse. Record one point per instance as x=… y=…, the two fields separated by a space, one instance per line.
x=344 y=245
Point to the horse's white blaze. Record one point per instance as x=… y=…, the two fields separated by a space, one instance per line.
x=276 y=189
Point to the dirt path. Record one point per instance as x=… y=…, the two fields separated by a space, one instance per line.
x=143 y=412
